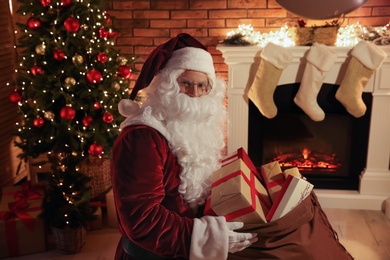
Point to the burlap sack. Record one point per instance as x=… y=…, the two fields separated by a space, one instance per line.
x=302 y=234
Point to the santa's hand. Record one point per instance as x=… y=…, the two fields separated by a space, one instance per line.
x=239 y=241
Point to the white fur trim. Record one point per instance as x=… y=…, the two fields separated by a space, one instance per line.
x=321 y=56
x=209 y=240
x=190 y=58
x=370 y=55
x=127 y=107
x=145 y=118
x=277 y=55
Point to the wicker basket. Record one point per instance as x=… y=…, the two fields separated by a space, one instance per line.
x=68 y=240
x=98 y=169
x=306 y=36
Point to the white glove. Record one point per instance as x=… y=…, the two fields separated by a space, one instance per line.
x=239 y=241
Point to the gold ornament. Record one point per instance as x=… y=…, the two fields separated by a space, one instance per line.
x=115 y=85
x=40 y=49
x=70 y=81
x=122 y=60
x=49 y=115
x=74 y=153
x=78 y=59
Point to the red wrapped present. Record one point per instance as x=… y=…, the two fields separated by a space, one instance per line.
x=27 y=191
x=294 y=191
x=98 y=222
x=237 y=194
x=112 y=220
x=21 y=231
x=240 y=154
x=273 y=177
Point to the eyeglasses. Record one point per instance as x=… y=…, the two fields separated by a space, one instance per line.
x=203 y=88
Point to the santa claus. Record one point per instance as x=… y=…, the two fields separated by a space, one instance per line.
x=163 y=159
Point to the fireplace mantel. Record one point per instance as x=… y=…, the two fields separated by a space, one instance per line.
x=374 y=187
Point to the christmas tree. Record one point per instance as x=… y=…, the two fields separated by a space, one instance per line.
x=67 y=87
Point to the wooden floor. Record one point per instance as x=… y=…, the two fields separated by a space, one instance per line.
x=365 y=233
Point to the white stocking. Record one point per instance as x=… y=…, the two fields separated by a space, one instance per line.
x=320 y=59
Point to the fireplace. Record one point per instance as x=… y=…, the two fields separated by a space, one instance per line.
x=364 y=186
x=329 y=157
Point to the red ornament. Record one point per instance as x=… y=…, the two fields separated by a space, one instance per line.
x=107 y=16
x=113 y=34
x=102 y=57
x=124 y=72
x=65 y=2
x=103 y=33
x=59 y=54
x=72 y=24
x=108 y=118
x=45 y=2
x=95 y=149
x=94 y=76
x=67 y=113
x=38 y=122
x=15 y=97
x=36 y=70
x=87 y=120
x=96 y=105
x=34 y=23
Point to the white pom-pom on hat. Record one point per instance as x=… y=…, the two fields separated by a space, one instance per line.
x=127 y=107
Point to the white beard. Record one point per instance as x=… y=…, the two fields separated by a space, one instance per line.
x=194 y=129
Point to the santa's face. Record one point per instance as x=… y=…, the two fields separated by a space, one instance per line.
x=194 y=83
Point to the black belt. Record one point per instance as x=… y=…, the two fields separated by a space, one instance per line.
x=138 y=252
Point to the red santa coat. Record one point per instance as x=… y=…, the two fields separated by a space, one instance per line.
x=145 y=180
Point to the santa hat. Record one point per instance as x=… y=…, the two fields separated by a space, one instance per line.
x=180 y=52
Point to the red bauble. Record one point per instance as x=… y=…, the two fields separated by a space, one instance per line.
x=38 y=122
x=103 y=33
x=67 y=113
x=94 y=76
x=124 y=72
x=45 y=2
x=113 y=34
x=96 y=105
x=72 y=24
x=108 y=118
x=87 y=120
x=36 y=70
x=15 y=97
x=95 y=149
x=59 y=54
x=34 y=23
x=102 y=57
x=66 y=2
x=107 y=17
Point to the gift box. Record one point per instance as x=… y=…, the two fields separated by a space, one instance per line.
x=240 y=154
x=237 y=194
x=97 y=223
x=26 y=191
x=21 y=231
x=112 y=220
x=273 y=178
x=292 y=171
x=294 y=191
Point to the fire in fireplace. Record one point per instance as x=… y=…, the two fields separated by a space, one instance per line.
x=330 y=154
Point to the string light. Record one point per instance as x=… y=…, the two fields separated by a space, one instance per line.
x=349 y=35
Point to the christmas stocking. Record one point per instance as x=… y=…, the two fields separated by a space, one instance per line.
x=366 y=58
x=274 y=58
x=320 y=59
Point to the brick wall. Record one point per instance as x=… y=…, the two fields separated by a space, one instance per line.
x=144 y=24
